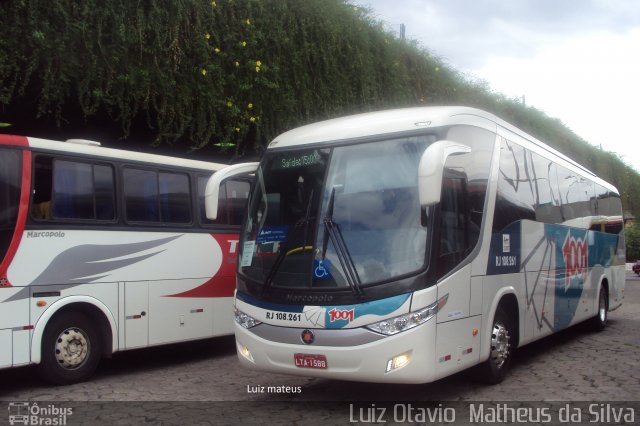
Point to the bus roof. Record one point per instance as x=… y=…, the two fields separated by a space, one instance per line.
x=95 y=150
x=380 y=123
x=395 y=121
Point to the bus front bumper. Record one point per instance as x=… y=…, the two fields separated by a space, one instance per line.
x=407 y=357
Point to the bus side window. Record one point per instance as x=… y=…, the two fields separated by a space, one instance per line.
x=10 y=175
x=42 y=184
x=156 y=197
x=231 y=203
x=237 y=192
x=454 y=222
x=64 y=189
x=515 y=198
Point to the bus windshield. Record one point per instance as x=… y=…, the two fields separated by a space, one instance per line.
x=336 y=218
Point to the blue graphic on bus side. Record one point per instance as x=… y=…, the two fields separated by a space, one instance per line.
x=572 y=268
x=574 y=251
x=335 y=316
x=341 y=316
x=504 y=256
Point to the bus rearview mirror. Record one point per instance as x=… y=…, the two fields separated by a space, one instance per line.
x=212 y=190
x=431 y=169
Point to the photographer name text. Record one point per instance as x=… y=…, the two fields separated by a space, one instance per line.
x=600 y=413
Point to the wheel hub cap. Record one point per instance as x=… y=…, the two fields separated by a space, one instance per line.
x=500 y=346
x=72 y=348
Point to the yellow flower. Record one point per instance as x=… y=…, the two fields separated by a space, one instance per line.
x=258 y=63
x=217 y=50
x=248 y=22
x=237 y=64
x=213 y=4
x=244 y=44
x=203 y=71
x=257 y=69
x=229 y=104
x=207 y=36
x=250 y=106
x=237 y=129
x=252 y=119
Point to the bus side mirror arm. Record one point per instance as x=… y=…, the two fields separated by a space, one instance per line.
x=212 y=190
x=431 y=169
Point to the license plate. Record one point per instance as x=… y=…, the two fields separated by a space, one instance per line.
x=310 y=361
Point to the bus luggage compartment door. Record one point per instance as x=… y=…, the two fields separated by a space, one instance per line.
x=6 y=345
x=136 y=318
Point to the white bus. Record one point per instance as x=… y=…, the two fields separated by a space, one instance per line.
x=103 y=250
x=406 y=245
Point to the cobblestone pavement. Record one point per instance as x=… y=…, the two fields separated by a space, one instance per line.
x=573 y=365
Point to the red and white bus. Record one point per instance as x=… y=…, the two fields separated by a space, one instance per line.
x=104 y=250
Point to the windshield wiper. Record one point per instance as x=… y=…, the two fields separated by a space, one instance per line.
x=284 y=250
x=332 y=230
x=268 y=282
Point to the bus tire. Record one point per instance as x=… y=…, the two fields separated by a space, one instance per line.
x=599 y=322
x=494 y=369
x=71 y=349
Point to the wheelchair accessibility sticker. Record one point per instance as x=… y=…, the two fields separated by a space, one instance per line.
x=321 y=269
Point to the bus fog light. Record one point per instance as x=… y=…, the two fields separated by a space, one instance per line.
x=399 y=361
x=245 y=352
x=245 y=320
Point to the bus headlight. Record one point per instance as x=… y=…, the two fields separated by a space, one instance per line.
x=245 y=320
x=408 y=321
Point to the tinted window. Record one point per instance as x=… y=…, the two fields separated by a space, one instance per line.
x=475 y=166
x=608 y=211
x=141 y=195
x=547 y=201
x=104 y=192
x=152 y=196
x=10 y=169
x=175 y=201
x=72 y=190
x=515 y=197
x=237 y=192
x=608 y=203
x=535 y=188
x=231 y=202
x=454 y=222
x=66 y=189
x=464 y=189
x=576 y=195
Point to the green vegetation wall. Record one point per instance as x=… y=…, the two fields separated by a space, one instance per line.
x=205 y=72
x=229 y=75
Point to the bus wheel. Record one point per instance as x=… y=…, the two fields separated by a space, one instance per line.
x=70 y=349
x=599 y=322
x=494 y=370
